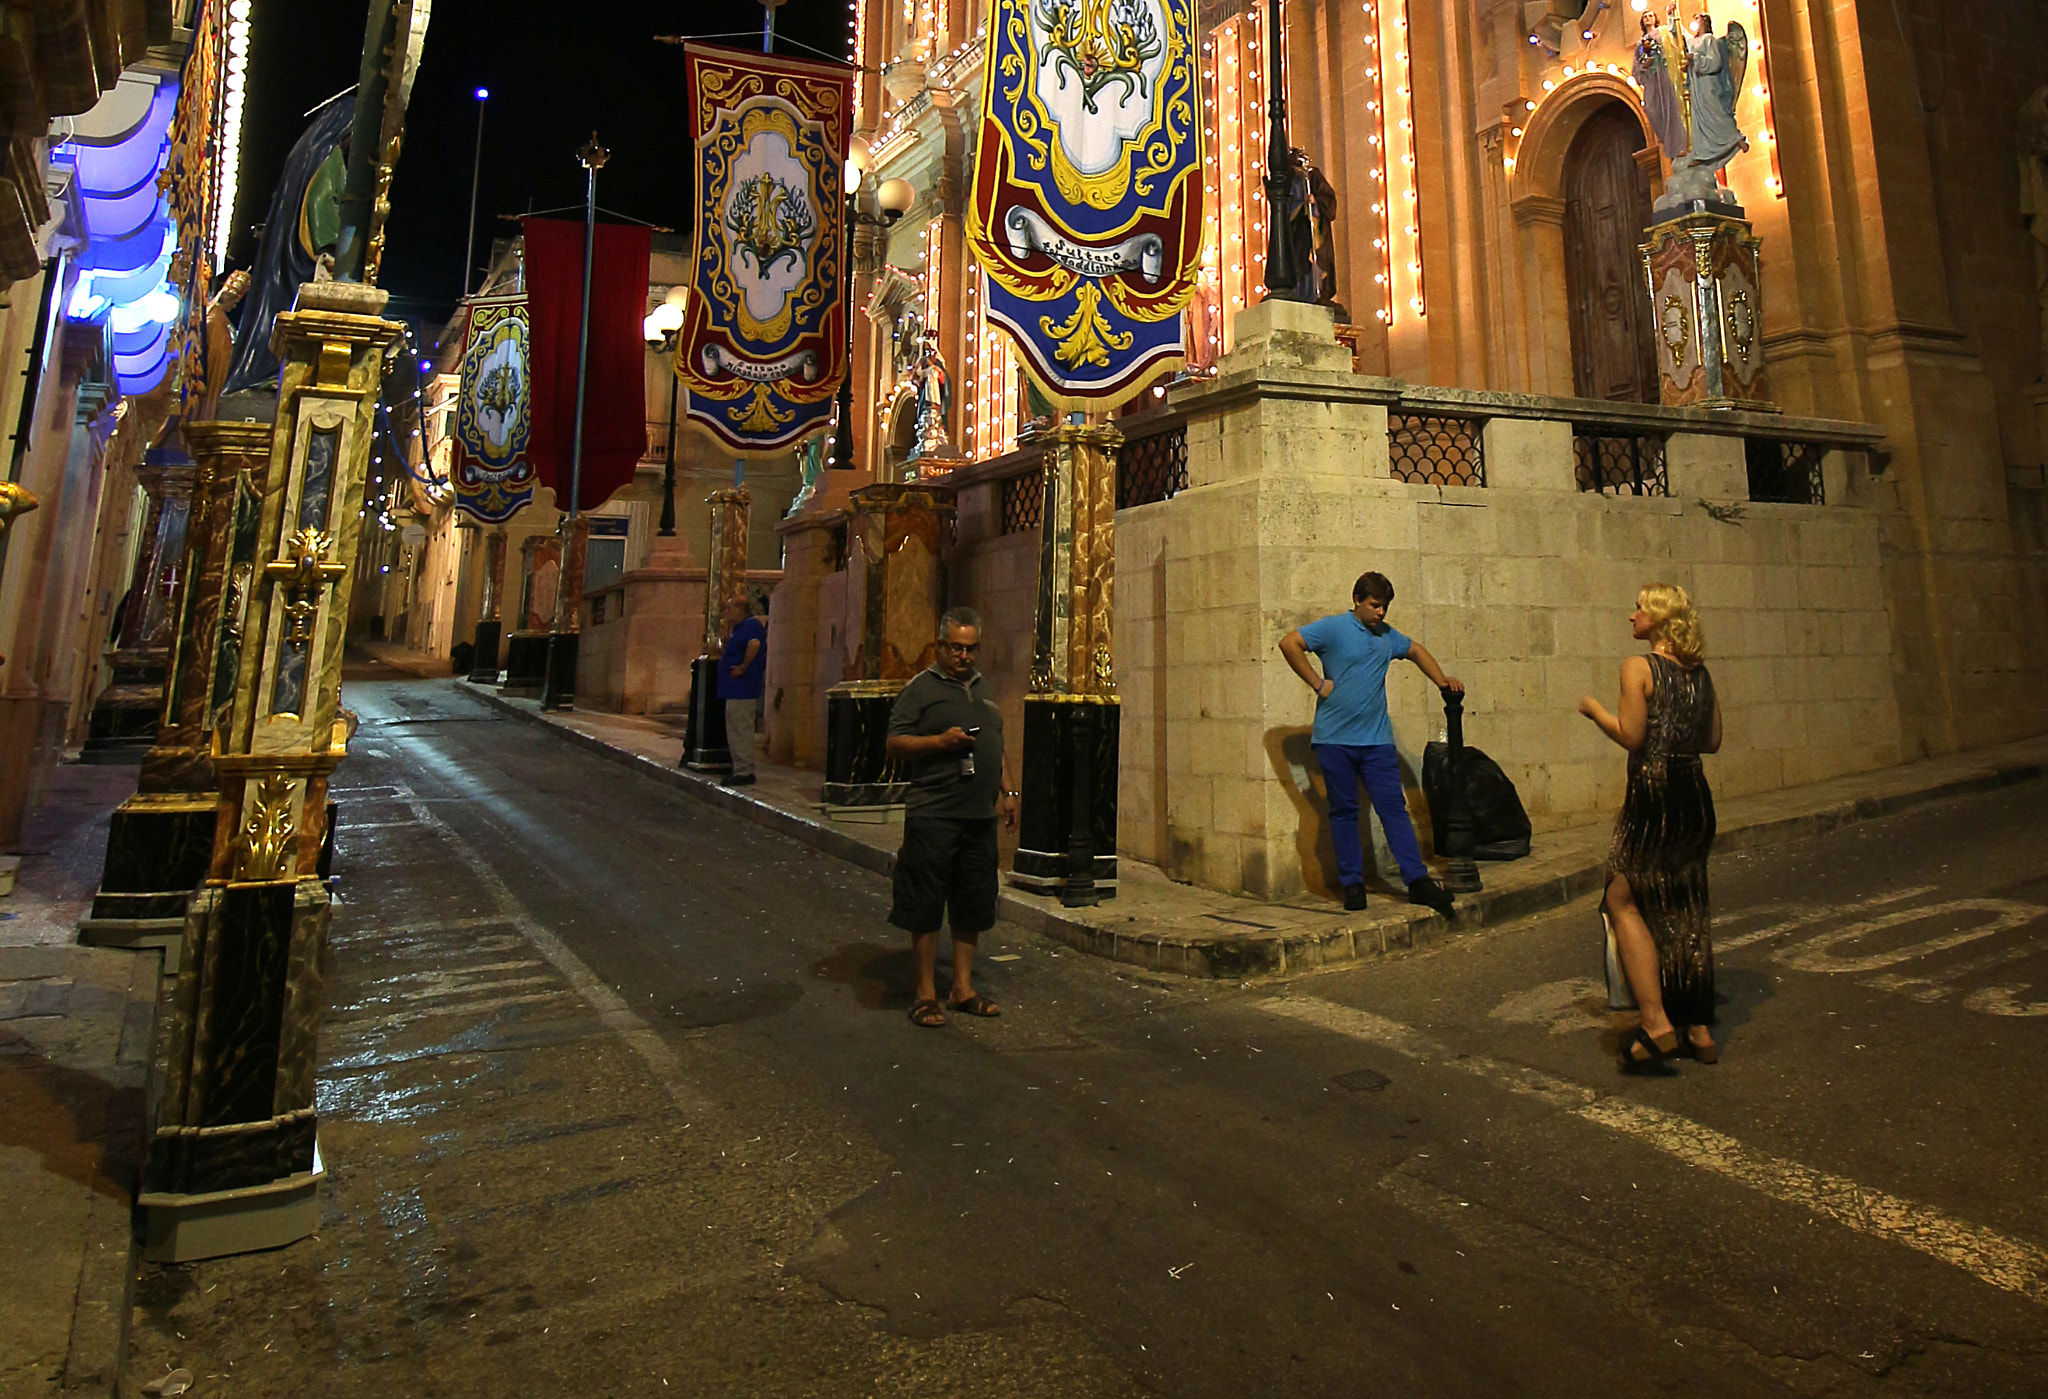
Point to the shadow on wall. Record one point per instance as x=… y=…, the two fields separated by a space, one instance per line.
x=1301 y=777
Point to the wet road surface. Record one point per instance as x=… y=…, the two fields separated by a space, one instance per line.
x=620 y=1098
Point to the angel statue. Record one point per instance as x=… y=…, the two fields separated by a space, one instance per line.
x=1691 y=78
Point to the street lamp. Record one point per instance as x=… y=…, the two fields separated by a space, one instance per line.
x=894 y=199
x=660 y=330
x=483 y=95
x=1282 y=276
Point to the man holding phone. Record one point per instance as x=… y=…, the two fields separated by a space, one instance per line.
x=949 y=733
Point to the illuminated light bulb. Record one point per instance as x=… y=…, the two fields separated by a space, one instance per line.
x=1416 y=302
x=1587 y=35
x=1758 y=89
x=1518 y=131
x=1548 y=85
x=1374 y=138
x=1380 y=277
x=1528 y=106
x=1381 y=314
x=1567 y=70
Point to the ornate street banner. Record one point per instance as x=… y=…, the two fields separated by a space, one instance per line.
x=494 y=412
x=763 y=343
x=1087 y=204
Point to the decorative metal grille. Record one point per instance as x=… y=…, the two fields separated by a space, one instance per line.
x=1620 y=465
x=1785 y=473
x=1436 y=451
x=1024 y=500
x=1154 y=468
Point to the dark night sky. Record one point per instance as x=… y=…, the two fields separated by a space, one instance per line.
x=555 y=72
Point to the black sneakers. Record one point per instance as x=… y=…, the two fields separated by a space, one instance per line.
x=1354 y=897
x=1430 y=894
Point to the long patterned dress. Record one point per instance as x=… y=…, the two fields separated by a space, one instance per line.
x=1666 y=831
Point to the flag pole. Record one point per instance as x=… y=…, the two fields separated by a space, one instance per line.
x=593 y=155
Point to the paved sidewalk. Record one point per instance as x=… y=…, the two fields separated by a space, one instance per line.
x=75 y=1028
x=1164 y=926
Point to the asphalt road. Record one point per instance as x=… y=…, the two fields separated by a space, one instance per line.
x=620 y=1098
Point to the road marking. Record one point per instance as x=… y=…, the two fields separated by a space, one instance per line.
x=1816 y=954
x=2012 y=1265
x=362 y=931
x=2002 y=1000
x=611 y=1011
x=1818 y=914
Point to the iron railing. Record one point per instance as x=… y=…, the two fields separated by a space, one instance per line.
x=1785 y=473
x=1620 y=463
x=1429 y=449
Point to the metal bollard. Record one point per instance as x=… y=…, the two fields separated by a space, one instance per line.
x=1461 y=874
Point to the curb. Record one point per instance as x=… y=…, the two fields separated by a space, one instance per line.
x=1277 y=953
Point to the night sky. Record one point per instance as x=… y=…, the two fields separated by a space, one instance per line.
x=555 y=71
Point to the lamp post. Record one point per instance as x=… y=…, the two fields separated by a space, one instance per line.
x=661 y=329
x=894 y=199
x=1282 y=276
x=483 y=96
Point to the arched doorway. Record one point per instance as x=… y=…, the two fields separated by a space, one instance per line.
x=1606 y=208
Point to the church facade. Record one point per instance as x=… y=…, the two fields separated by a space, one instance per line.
x=1485 y=172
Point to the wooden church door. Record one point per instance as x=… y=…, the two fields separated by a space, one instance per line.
x=1606 y=207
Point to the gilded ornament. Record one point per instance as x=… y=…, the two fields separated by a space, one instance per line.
x=268 y=831
x=1085 y=337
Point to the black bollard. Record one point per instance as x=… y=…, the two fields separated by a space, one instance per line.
x=1461 y=875
x=1079 y=889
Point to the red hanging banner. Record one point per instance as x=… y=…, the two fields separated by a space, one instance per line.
x=615 y=393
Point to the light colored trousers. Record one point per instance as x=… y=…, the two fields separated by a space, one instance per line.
x=739 y=734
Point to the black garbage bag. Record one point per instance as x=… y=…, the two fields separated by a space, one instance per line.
x=1500 y=827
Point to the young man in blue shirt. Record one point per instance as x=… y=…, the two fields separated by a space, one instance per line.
x=1353 y=737
x=742 y=666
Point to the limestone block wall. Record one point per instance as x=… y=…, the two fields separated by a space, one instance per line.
x=997 y=575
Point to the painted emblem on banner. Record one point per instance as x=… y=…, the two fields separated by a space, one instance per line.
x=1087 y=205
x=763 y=343
x=493 y=413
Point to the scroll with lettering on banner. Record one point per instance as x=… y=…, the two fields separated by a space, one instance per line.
x=494 y=413
x=763 y=343
x=1087 y=204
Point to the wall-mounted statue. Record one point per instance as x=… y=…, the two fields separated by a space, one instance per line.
x=1691 y=78
x=2033 y=153
x=934 y=407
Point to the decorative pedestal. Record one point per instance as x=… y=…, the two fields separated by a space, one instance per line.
x=1053 y=726
x=861 y=779
x=232 y=1161
x=1067 y=840
x=725 y=580
x=1706 y=308
x=124 y=718
x=526 y=665
x=483 y=669
x=160 y=841
x=559 y=691
x=704 y=748
x=895 y=539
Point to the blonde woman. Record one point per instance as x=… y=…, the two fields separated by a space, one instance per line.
x=1657 y=866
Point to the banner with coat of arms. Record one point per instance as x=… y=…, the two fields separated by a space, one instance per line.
x=492 y=476
x=1086 y=211
x=763 y=342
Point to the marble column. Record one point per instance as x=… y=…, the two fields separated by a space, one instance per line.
x=160 y=841
x=896 y=540
x=483 y=669
x=127 y=713
x=1067 y=831
x=233 y=1159
x=725 y=579
x=526 y=653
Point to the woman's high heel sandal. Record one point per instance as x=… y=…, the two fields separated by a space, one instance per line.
x=1709 y=1053
x=1640 y=1053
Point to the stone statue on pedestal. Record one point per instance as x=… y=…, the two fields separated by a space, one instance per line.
x=1691 y=78
x=1311 y=210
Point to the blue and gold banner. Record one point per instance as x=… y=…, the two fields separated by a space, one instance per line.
x=763 y=342
x=1087 y=204
x=492 y=476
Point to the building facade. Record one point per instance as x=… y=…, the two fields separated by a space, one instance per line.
x=1487 y=172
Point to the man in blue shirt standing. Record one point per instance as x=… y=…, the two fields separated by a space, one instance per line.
x=1353 y=737
x=742 y=666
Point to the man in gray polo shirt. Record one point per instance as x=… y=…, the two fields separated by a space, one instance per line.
x=949 y=733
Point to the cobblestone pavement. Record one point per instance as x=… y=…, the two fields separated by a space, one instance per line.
x=620 y=1098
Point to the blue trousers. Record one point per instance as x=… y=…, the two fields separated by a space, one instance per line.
x=1379 y=766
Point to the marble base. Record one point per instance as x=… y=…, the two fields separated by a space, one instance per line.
x=484 y=669
x=165 y=935
x=704 y=747
x=1048 y=816
x=858 y=769
x=870 y=814
x=184 y=1228
x=124 y=719
x=526 y=664
x=159 y=847
x=562 y=657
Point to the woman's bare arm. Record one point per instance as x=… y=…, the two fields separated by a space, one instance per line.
x=1714 y=737
x=1632 y=724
